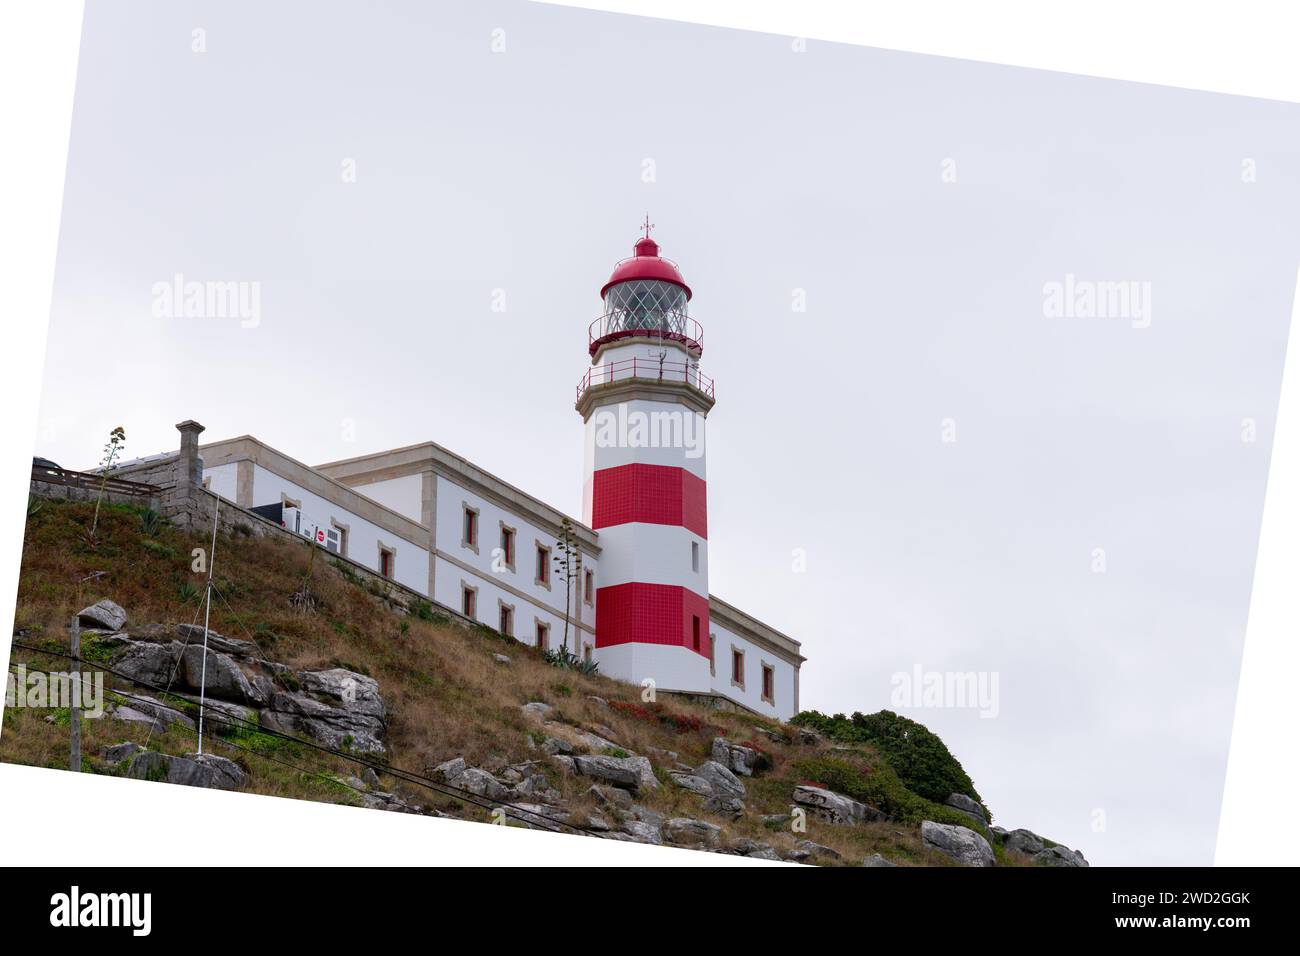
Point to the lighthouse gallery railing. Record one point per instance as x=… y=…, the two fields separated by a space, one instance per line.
x=646 y=369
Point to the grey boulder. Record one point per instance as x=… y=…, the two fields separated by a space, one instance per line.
x=964 y=804
x=961 y=844
x=105 y=614
x=192 y=770
x=833 y=807
x=735 y=757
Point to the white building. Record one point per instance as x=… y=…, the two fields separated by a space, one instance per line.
x=443 y=527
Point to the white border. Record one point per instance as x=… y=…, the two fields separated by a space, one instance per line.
x=1240 y=47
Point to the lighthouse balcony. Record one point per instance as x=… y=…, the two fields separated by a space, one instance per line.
x=669 y=325
x=646 y=370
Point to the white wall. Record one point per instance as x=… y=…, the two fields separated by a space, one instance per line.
x=671 y=667
x=451 y=499
x=397 y=494
x=411 y=564
x=224 y=479
x=783 y=678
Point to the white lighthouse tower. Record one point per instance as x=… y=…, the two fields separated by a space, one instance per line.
x=644 y=404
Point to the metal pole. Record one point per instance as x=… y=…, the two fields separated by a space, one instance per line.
x=207 y=611
x=75 y=687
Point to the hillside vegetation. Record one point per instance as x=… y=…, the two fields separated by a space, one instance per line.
x=449 y=695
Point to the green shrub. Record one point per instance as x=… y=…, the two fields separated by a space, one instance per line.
x=917 y=756
x=869 y=778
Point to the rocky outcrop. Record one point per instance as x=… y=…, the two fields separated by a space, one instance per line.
x=684 y=831
x=964 y=804
x=961 y=844
x=1024 y=841
x=735 y=757
x=1059 y=856
x=632 y=773
x=191 y=770
x=877 y=860
x=834 y=807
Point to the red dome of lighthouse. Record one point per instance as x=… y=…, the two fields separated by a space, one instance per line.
x=646 y=263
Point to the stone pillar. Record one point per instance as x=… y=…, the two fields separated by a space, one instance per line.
x=189 y=467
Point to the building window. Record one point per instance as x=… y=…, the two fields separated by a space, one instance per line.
x=336 y=539
x=543 y=566
x=468 y=600
x=769 y=684
x=507 y=623
x=737 y=668
x=695 y=556
x=387 y=557
x=543 y=636
x=589 y=586
x=469 y=528
x=695 y=633
x=508 y=547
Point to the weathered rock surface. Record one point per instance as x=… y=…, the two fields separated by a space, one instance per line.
x=341 y=709
x=833 y=807
x=964 y=804
x=105 y=614
x=222 y=676
x=191 y=770
x=806 y=850
x=193 y=634
x=722 y=782
x=752 y=849
x=536 y=709
x=1059 y=856
x=143 y=709
x=735 y=757
x=146 y=662
x=877 y=860
x=631 y=773
x=684 y=831
x=116 y=753
x=1024 y=841
x=965 y=846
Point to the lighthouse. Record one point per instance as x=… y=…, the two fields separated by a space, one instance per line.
x=644 y=402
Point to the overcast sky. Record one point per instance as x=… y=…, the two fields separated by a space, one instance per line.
x=827 y=171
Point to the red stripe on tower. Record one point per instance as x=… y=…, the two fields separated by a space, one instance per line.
x=652 y=494
x=652 y=614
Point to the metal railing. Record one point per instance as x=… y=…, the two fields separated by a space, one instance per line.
x=646 y=369
x=626 y=323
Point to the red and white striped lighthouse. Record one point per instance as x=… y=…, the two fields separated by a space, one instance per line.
x=644 y=402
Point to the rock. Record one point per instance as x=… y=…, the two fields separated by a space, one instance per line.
x=630 y=773
x=223 y=717
x=1059 y=856
x=538 y=787
x=752 y=849
x=965 y=846
x=722 y=782
x=597 y=744
x=193 y=634
x=690 y=781
x=554 y=745
x=737 y=759
x=481 y=784
x=687 y=832
x=730 y=807
x=388 y=801
x=501 y=658
x=341 y=709
x=536 y=816
x=116 y=753
x=105 y=614
x=536 y=710
x=370 y=778
x=222 y=677
x=449 y=771
x=833 y=807
x=964 y=804
x=600 y=701
x=147 y=663
x=809 y=738
x=643 y=832
x=192 y=770
x=141 y=708
x=997 y=835
x=1024 y=841
x=877 y=860
x=817 y=850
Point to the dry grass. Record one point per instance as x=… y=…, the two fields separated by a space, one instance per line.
x=447 y=696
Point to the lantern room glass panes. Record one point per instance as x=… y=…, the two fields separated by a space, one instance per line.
x=645 y=304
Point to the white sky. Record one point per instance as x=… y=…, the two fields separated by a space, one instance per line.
x=776 y=171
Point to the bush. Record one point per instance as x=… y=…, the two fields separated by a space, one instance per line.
x=918 y=757
x=870 y=779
